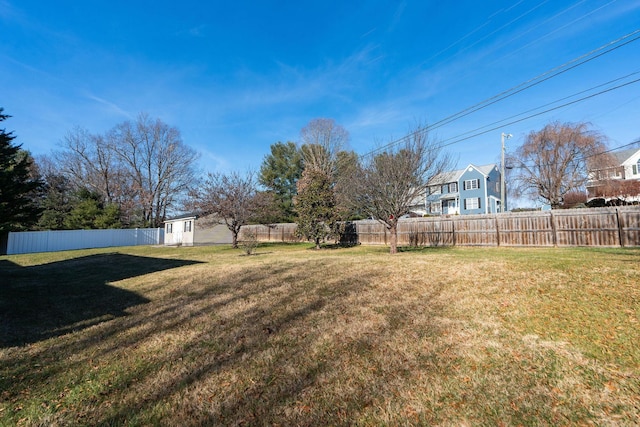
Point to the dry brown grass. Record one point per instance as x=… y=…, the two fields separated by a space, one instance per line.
x=346 y=337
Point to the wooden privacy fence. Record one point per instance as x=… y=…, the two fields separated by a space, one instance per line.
x=573 y=227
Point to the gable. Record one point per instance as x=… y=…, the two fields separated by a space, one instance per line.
x=472 y=172
x=632 y=159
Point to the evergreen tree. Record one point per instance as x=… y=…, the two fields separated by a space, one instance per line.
x=55 y=203
x=18 y=188
x=90 y=212
x=279 y=173
x=316 y=206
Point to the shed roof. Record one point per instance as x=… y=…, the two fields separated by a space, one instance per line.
x=181 y=217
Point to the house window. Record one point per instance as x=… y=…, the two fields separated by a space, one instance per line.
x=472 y=203
x=472 y=184
x=170 y=227
x=636 y=168
x=434 y=190
x=187 y=226
x=436 y=207
x=453 y=187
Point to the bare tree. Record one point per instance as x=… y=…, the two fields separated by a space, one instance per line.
x=159 y=165
x=390 y=182
x=574 y=199
x=622 y=190
x=143 y=167
x=89 y=162
x=230 y=199
x=321 y=141
x=629 y=189
x=554 y=161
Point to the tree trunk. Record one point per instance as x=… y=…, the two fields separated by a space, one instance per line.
x=317 y=243
x=393 y=239
x=234 y=241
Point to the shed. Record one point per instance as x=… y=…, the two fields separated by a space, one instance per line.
x=193 y=230
x=180 y=231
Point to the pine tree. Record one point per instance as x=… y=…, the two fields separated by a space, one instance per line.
x=279 y=173
x=18 y=210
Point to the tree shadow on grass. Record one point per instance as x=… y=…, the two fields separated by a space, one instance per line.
x=255 y=345
x=286 y=326
x=44 y=301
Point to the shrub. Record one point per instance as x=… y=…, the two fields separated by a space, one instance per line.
x=249 y=242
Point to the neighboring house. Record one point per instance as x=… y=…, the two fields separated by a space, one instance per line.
x=190 y=230
x=472 y=190
x=619 y=180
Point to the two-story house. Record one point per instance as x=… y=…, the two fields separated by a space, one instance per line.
x=472 y=190
x=618 y=177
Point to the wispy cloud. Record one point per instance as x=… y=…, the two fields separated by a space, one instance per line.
x=212 y=162
x=111 y=107
x=8 y=11
x=30 y=68
x=377 y=115
x=397 y=16
x=292 y=84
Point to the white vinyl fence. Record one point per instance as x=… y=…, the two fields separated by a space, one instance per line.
x=62 y=240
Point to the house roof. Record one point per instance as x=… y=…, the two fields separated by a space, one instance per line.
x=454 y=176
x=623 y=156
x=449 y=196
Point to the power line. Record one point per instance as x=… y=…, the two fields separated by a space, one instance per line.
x=457 y=139
x=559 y=28
x=519 y=35
x=547 y=75
x=637 y=141
x=599 y=153
x=506 y=25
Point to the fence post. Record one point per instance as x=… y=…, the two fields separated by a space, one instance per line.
x=553 y=229
x=453 y=227
x=497 y=229
x=619 y=228
x=10 y=244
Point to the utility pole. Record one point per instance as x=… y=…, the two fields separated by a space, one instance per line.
x=502 y=178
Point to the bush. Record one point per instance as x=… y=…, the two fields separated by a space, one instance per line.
x=249 y=243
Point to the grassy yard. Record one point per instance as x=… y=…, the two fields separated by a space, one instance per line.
x=293 y=336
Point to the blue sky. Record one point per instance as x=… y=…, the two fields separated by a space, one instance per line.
x=236 y=77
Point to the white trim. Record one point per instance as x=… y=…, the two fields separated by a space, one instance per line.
x=486 y=196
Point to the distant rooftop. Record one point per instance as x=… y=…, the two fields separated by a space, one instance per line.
x=454 y=175
x=623 y=155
